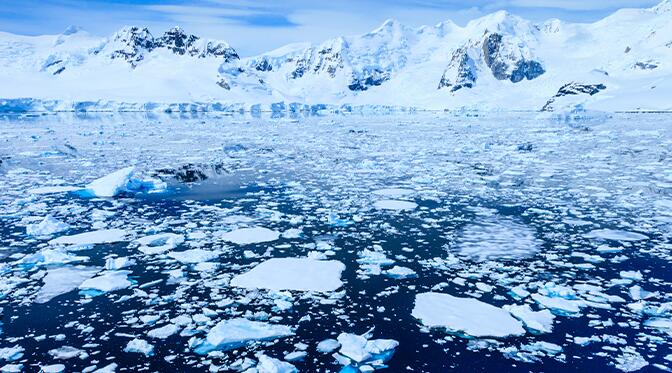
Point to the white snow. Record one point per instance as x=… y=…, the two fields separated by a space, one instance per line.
x=229 y=334
x=47 y=227
x=465 y=315
x=90 y=238
x=110 y=185
x=389 y=204
x=246 y=236
x=302 y=274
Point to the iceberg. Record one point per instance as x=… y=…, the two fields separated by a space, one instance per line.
x=466 y=316
x=110 y=185
x=106 y=282
x=47 y=227
x=63 y=280
x=139 y=346
x=268 y=364
x=303 y=274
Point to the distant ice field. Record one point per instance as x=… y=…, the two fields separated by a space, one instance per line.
x=425 y=242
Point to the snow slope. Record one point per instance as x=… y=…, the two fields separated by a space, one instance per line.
x=497 y=62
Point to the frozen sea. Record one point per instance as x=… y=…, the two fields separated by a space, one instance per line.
x=424 y=242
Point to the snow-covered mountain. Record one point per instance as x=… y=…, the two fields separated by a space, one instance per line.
x=497 y=62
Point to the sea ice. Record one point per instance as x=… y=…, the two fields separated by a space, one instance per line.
x=328 y=345
x=615 y=235
x=302 y=274
x=234 y=333
x=107 y=281
x=193 y=256
x=47 y=227
x=389 y=204
x=54 y=189
x=559 y=306
x=359 y=350
x=140 y=346
x=159 y=243
x=539 y=321
x=63 y=280
x=246 y=236
x=91 y=238
x=400 y=273
x=465 y=315
x=164 y=331
x=393 y=192
x=268 y=364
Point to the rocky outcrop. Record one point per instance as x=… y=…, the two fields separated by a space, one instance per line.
x=367 y=79
x=461 y=72
x=133 y=43
x=508 y=61
x=572 y=89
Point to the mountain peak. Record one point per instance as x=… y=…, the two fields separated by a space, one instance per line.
x=664 y=6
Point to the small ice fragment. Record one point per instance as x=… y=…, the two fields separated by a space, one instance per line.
x=615 y=235
x=229 y=334
x=389 y=204
x=47 y=227
x=328 y=345
x=293 y=274
x=107 y=281
x=163 y=332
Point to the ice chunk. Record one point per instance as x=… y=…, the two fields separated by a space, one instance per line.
x=400 y=272
x=631 y=275
x=92 y=238
x=539 y=322
x=389 y=204
x=615 y=235
x=55 y=368
x=163 y=332
x=268 y=364
x=497 y=238
x=234 y=333
x=193 y=256
x=47 y=227
x=358 y=350
x=11 y=353
x=118 y=263
x=328 y=345
x=106 y=282
x=159 y=243
x=63 y=280
x=465 y=316
x=560 y=306
x=140 y=346
x=303 y=274
x=67 y=352
x=12 y=368
x=110 y=185
x=246 y=236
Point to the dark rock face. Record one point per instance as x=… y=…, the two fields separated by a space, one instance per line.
x=368 y=79
x=505 y=67
x=645 y=65
x=571 y=89
x=263 y=65
x=328 y=60
x=137 y=41
x=466 y=72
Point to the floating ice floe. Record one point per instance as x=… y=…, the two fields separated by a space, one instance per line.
x=389 y=204
x=535 y=321
x=303 y=274
x=11 y=353
x=234 y=333
x=362 y=353
x=400 y=272
x=328 y=346
x=193 y=256
x=110 y=185
x=118 y=263
x=52 y=256
x=246 y=236
x=63 y=280
x=163 y=332
x=560 y=306
x=54 y=368
x=159 y=243
x=92 y=238
x=497 y=238
x=615 y=235
x=47 y=227
x=106 y=282
x=268 y=364
x=140 y=346
x=465 y=316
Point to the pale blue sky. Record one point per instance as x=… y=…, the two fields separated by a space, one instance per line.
x=254 y=26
